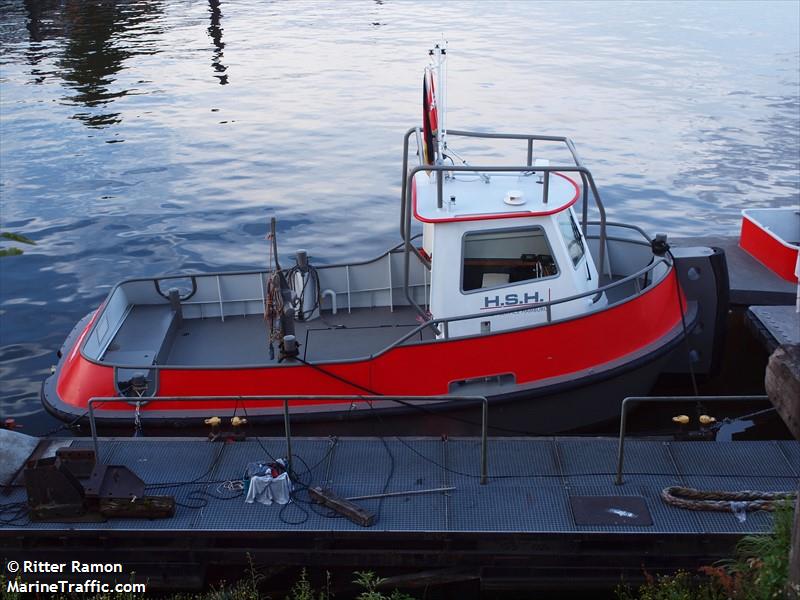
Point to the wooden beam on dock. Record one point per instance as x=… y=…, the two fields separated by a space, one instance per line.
x=782 y=383
x=329 y=498
x=783 y=387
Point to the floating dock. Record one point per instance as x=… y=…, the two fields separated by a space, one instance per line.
x=549 y=516
x=751 y=283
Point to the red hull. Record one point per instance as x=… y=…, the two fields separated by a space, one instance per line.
x=532 y=355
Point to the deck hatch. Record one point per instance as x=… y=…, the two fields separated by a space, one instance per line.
x=610 y=510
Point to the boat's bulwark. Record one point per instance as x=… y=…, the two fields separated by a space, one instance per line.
x=520 y=365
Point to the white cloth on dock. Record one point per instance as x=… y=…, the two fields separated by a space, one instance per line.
x=267 y=489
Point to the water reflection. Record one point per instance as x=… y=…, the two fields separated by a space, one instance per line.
x=94 y=49
x=39 y=30
x=215 y=31
x=35 y=25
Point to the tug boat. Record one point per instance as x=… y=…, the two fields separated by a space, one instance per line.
x=509 y=293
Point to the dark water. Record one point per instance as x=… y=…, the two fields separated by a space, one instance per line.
x=141 y=138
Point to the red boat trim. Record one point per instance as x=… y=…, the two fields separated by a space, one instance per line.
x=768 y=249
x=531 y=353
x=490 y=216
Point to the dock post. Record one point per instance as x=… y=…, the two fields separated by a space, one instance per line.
x=782 y=382
x=93 y=427
x=621 y=447
x=288 y=432
x=484 y=441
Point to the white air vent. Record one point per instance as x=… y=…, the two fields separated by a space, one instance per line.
x=514 y=198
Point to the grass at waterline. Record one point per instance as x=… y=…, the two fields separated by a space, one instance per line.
x=758 y=571
x=14 y=237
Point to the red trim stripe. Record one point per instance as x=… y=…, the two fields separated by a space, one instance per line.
x=490 y=216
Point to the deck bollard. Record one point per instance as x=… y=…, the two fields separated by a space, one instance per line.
x=663 y=399
x=484 y=441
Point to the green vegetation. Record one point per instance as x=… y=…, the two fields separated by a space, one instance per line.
x=759 y=571
x=370 y=582
x=680 y=586
x=14 y=237
x=366 y=580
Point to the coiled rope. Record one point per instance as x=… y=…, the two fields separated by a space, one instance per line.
x=735 y=502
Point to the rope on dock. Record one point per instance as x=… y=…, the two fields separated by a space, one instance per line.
x=735 y=502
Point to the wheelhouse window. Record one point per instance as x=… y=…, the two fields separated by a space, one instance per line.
x=498 y=258
x=572 y=236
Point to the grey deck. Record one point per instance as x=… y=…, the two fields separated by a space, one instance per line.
x=750 y=281
x=529 y=492
x=244 y=340
x=142 y=337
x=620 y=292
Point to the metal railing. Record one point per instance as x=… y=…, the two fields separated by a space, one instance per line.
x=664 y=400
x=408 y=177
x=646 y=237
x=546 y=305
x=445 y=321
x=529 y=138
x=286 y=413
x=644 y=272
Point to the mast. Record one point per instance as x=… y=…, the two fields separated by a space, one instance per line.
x=439 y=58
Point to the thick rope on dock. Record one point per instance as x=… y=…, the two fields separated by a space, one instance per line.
x=735 y=502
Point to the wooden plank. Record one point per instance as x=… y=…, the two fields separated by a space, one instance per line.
x=353 y=512
x=782 y=383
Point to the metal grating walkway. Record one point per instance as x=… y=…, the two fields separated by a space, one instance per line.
x=531 y=482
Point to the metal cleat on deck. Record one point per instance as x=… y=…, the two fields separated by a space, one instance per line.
x=236 y=434
x=214 y=423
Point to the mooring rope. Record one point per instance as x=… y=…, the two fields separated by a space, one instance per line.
x=735 y=502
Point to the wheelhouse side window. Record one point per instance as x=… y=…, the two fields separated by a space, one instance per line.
x=498 y=258
x=572 y=236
